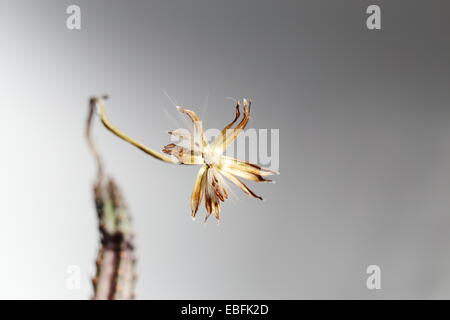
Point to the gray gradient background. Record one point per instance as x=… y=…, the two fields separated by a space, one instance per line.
x=364 y=121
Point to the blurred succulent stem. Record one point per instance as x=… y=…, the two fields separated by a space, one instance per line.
x=100 y=102
x=115 y=275
x=90 y=141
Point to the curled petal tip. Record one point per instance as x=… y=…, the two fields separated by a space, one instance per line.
x=193 y=218
x=206 y=219
x=263 y=200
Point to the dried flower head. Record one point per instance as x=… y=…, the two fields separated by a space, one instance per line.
x=216 y=168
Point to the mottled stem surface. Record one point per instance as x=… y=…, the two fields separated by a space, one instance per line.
x=115 y=275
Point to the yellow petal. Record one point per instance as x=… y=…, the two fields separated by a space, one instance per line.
x=220 y=185
x=219 y=140
x=217 y=210
x=197 y=192
x=208 y=204
x=232 y=134
x=197 y=124
x=238 y=113
x=240 y=184
x=246 y=166
x=214 y=192
x=244 y=174
x=185 y=139
x=184 y=155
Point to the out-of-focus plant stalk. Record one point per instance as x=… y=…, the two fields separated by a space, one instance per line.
x=115 y=275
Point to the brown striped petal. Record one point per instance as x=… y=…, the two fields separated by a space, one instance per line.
x=245 y=174
x=240 y=184
x=219 y=140
x=246 y=166
x=197 y=124
x=232 y=134
x=185 y=139
x=214 y=193
x=197 y=192
x=184 y=155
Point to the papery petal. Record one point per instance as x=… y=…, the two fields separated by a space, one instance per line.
x=219 y=140
x=184 y=155
x=197 y=124
x=232 y=134
x=181 y=133
x=244 y=174
x=246 y=166
x=214 y=193
x=217 y=211
x=185 y=140
x=238 y=113
x=198 y=191
x=240 y=184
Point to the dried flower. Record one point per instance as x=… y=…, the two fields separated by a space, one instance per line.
x=194 y=149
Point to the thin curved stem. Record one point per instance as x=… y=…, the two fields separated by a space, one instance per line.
x=90 y=141
x=100 y=102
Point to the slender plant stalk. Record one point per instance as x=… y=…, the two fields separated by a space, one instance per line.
x=100 y=103
x=115 y=275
